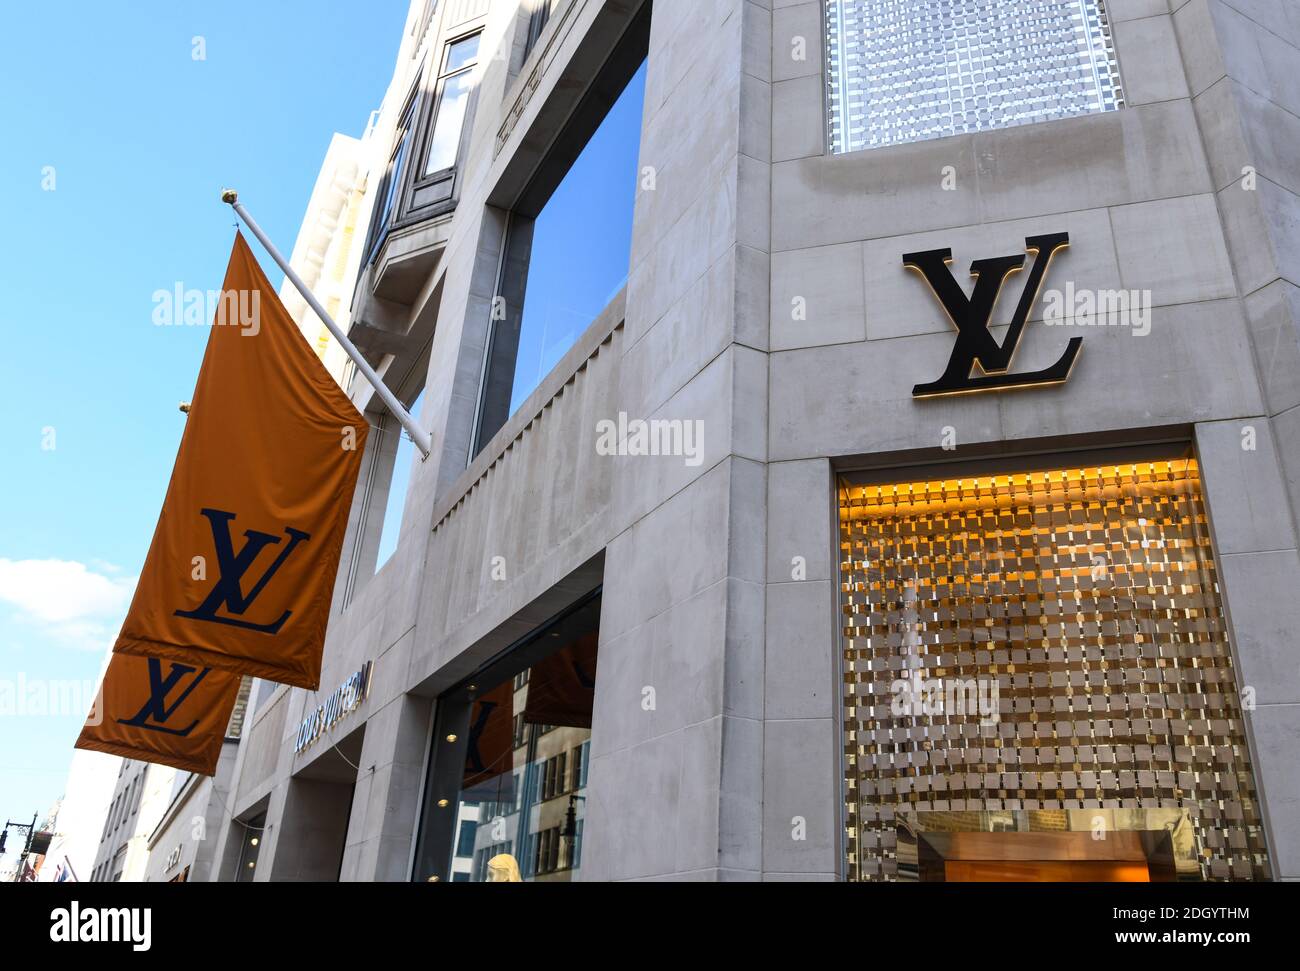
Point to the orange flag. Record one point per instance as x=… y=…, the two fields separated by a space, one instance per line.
x=161 y=711
x=240 y=573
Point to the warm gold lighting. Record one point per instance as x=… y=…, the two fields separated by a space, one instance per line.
x=1089 y=596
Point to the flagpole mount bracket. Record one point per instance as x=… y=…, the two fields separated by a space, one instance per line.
x=229 y=196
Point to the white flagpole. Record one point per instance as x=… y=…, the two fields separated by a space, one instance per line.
x=423 y=441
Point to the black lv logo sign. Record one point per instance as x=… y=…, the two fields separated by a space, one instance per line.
x=975 y=345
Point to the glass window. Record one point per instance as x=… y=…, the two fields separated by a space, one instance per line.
x=465 y=842
x=904 y=71
x=517 y=787
x=580 y=766
x=521 y=727
x=395 y=505
x=461 y=54
x=456 y=83
x=250 y=842
x=390 y=187
x=581 y=243
x=978 y=610
x=565 y=264
x=542 y=10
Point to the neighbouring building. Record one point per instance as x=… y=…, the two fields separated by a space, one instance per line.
x=156 y=826
x=866 y=445
x=182 y=844
x=142 y=792
x=88 y=793
x=327 y=252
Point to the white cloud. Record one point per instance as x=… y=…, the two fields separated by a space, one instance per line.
x=66 y=598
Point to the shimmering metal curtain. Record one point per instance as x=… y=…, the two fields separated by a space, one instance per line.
x=1091 y=596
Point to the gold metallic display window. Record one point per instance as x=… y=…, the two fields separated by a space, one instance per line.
x=1040 y=641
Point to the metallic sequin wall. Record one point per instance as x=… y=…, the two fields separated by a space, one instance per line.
x=1065 y=632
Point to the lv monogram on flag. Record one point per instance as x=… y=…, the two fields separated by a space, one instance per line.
x=240 y=573
x=161 y=711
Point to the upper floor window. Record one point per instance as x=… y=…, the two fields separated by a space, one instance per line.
x=455 y=85
x=399 y=485
x=390 y=186
x=567 y=250
x=908 y=70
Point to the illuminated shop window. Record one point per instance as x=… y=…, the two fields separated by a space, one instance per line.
x=250 y=845
x=1041 y=652
x=907 y=70
x=507 y=785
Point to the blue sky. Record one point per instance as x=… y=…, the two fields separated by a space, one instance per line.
x=141 y=138
x=582 y=239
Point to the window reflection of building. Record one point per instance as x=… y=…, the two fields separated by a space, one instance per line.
x=547 y=786
x=523 y=788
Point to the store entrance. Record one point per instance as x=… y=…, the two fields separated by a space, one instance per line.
x=506 y=794
x=317 y=811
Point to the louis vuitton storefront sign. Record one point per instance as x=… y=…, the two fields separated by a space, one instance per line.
x=345 y=699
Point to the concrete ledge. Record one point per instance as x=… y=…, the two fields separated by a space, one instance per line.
x=584 y=349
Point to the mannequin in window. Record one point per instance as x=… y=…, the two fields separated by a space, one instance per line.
x=503 y=868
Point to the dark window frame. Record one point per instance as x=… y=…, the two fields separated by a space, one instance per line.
x=385 y=215
x=435 y=827
x=625 y=59
x=436 y=104
x=256 y=826
x=433 y=87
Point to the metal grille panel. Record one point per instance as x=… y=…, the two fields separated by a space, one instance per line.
x=907 y=70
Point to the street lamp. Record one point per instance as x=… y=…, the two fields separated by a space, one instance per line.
x=29 y=844
x=570 y=829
